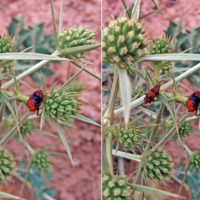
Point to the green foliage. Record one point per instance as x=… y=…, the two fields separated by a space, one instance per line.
x=37 y=180
x=138 y=92
x=195 y=161
x=32 y=37
x=160 y=46
x=7 y=165
x=41 y=160
x=192 y=180
x=6 y=46
x=183 y=41
x=26 y=128
x=115 y=188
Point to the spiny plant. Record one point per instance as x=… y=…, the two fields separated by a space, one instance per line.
x=159 y=115
x=59 y=107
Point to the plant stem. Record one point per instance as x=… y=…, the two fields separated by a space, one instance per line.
x=108 y=118
x=139 y=169
x=168 y=136
x=29 y=71
x=157 y=69
x=92 y=74
x=121 y=166
x=154 y=131
x=109 y=152
x=12 y=132
x=54 y=23
x=38 y=66
x=129 y=156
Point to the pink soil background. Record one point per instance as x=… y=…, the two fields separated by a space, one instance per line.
x=84 y=180
x=155 y=26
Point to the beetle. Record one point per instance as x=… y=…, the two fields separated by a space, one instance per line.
x=35 y=101
x=193 y=102
x=152 y=94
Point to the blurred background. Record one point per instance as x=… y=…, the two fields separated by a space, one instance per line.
x=26 y=18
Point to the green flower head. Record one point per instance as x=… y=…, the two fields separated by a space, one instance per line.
x=7 y=165
x=40 y=160
x=6 y=46
x=158 y=165
x=115 y=188
x=75 y=37
x=64 y=104
x=123 y=41
x=160 y=46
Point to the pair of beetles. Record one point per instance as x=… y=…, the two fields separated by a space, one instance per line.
x=192 y=103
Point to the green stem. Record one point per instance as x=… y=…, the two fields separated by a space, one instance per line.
x=78 y=49
x=54 y=24
x=86 y=70
x=139 y=170
x=109 y=152
x=29 y=71
x=108 y=118
x=17 y=95
x=157 y=69
x=179 y=98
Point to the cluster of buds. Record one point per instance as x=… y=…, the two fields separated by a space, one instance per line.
x=158 y=165
x=64 y=104
x=41 y=161
x=130 y=138
x=6 y=46
x=123 y=41
x=27 y=128
x=195 y=161
x=7 y=165
x=161 y=46
x=75 y=37
x=184 y=130
x=115 y=189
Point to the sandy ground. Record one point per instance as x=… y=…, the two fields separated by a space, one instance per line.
x=83 y=181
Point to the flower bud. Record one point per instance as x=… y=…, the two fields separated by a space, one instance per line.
x=123 y=41
x=7 y=165
x=75 y=37
x=157 y=165
x=40 y=160
x=6 y=46
x=115 y=188
x=161 y=46
x=64 y=104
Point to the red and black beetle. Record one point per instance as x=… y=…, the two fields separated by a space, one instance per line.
x=35 y=100
x=193 y=102
x=152 y=94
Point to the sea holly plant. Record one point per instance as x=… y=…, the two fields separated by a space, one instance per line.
x=59 y=107
x=144 y=109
